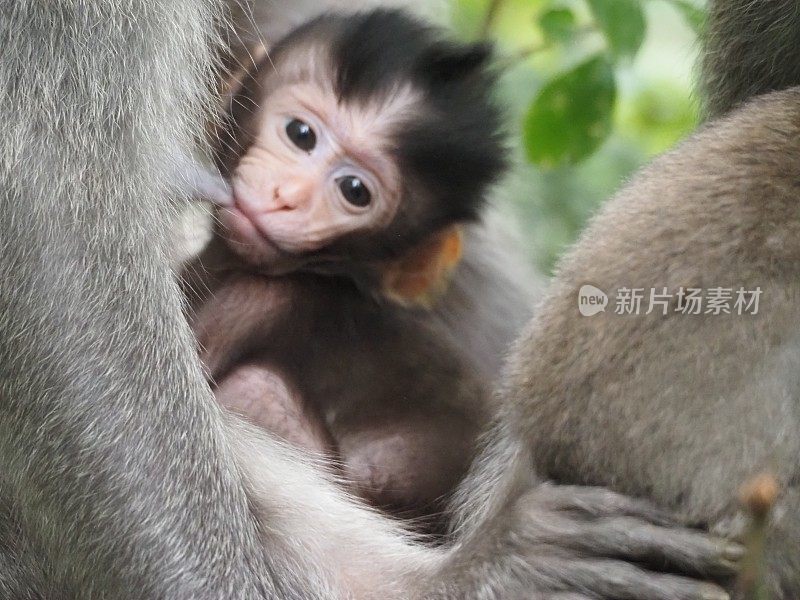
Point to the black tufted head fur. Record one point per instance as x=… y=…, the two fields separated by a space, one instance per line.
x=452 y=148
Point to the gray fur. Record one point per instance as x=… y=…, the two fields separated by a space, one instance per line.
x=491 y=296
x=681 y=409
x=751 y=47
x=257 y=22
x=105 y=415
x=120 y=477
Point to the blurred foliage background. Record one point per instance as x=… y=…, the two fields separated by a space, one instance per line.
x=594 y=88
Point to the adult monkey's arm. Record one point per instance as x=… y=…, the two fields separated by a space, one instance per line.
x=116 y=476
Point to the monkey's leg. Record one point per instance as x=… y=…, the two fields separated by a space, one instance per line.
x=267 y=400
x=403 y=405
x=407 y=462
x=241 y=317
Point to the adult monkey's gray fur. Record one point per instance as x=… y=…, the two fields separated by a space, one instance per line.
x=96 y=369
x=750 y=48
x=685 y=409
x=120 y=477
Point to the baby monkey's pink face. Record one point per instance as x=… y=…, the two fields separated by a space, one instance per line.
x=318 y=169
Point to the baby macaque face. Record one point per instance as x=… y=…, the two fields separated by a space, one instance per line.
x=318 y=169
x=358 y=139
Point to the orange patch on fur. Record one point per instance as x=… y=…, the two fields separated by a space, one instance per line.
x=421 y=276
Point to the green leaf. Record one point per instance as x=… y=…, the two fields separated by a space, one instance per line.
x=572 y=115
x=694 y=16
x=622 y=22
x=557 y=24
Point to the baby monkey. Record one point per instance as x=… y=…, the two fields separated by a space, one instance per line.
x=354 y=150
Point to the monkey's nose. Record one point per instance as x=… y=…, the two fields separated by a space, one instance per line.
x=289 y=195
x=280 y=201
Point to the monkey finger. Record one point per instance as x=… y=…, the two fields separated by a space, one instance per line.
x=684 y=550
x=596 y=502
x=615 y=580
x=627 y=538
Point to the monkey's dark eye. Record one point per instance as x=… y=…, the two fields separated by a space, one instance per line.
x=354 y=191
x=301 y=135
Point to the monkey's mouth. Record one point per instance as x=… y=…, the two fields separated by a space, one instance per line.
x=246 y=239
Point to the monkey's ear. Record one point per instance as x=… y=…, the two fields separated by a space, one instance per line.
x=422 y=275
x=457 y=61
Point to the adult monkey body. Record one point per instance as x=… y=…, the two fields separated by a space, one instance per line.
x=684 y=408
x=120 y=477
x=84 y=283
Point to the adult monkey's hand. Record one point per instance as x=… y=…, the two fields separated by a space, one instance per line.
x=520 y=538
